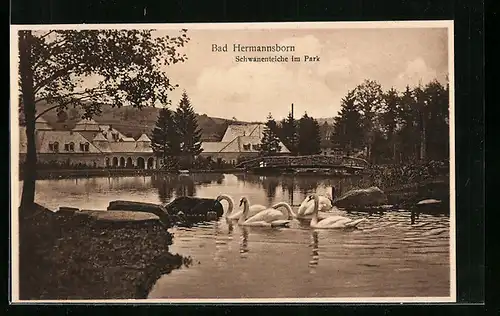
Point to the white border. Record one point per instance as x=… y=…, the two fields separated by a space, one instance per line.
x=14 y=175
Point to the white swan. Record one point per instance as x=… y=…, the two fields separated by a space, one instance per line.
x=230 y=201
x=331 y=221
x=306 y=208
x=270 y=217
x=229 y=214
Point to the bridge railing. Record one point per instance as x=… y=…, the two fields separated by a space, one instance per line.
x=297 y=161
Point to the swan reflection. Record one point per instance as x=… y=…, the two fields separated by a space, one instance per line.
x=244 y=242
x=315 y=252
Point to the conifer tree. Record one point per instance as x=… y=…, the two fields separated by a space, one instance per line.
x=270 y=143
x=309 y=137
x=188 y=131
x=289 y=133
x=165 y=139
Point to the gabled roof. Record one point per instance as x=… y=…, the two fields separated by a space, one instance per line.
x=143 y=138
x=44 y=138
x=235 y=130
x=99 y=138
x=42 y=125
x=86 y=125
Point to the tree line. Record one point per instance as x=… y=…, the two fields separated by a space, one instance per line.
x=394 y=126
x=300 y=137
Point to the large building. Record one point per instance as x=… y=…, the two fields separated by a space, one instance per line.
x=89 y=144
x=240 y=141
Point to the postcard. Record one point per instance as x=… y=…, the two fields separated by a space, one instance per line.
x=233 y=163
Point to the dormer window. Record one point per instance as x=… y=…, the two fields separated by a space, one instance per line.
x=246 y=147
x=71 y=146
x=54 y=147
x=86 y=147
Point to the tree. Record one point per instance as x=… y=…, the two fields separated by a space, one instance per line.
x=270 y=143
x=127 y=66
x=348 y=125
x=390 y=118
x=309 y=140
x=289 y=133
x=188 y=131
x=369 y=98
x=165 y=139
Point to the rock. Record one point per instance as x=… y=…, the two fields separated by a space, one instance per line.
x=194 y=206
x=156 y=209
x=372 y=196
x=68 y=211
x=122 y=216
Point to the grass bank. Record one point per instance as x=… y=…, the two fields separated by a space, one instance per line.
x=74 y=257
x=405 y=185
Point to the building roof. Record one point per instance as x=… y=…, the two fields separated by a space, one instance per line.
x=107 y=130
x=100 y=138
x=235 y=130
x=127 y=139
x=44 y=138
x=143 y=138
x=86 y=125
x=42 y=125
x=240 y=144
x=212 y=147
x=239 y=138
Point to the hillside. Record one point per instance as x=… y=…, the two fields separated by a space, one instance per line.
x=131 y=121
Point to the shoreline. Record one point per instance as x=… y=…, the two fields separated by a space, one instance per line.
x=65 y=256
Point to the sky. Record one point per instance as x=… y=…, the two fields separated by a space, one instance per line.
x=220 y=87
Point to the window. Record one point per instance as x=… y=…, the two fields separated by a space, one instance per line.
x=82 y=148
x=71 y=146
x=246 y=147
x=51 y=146
x=66 y=147
x=86 y=147
x=56 y=147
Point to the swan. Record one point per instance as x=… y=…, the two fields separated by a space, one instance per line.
x=331 y=221
x=229 y=200
x=270 y=217
x=229 y=214
x=306 y=208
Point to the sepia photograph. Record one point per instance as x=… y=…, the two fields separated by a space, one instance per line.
x=233 y=162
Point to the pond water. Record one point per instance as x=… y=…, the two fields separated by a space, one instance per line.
x=388 y=256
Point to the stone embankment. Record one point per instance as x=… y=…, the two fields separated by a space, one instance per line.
x=72 y=254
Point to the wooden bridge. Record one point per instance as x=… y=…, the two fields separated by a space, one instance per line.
x=336 y=163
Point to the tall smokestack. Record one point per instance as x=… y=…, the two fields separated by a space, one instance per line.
x=292 y=110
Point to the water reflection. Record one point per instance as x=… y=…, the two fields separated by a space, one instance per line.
x=315 y=252
x=244 y=242
x=411 y=248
